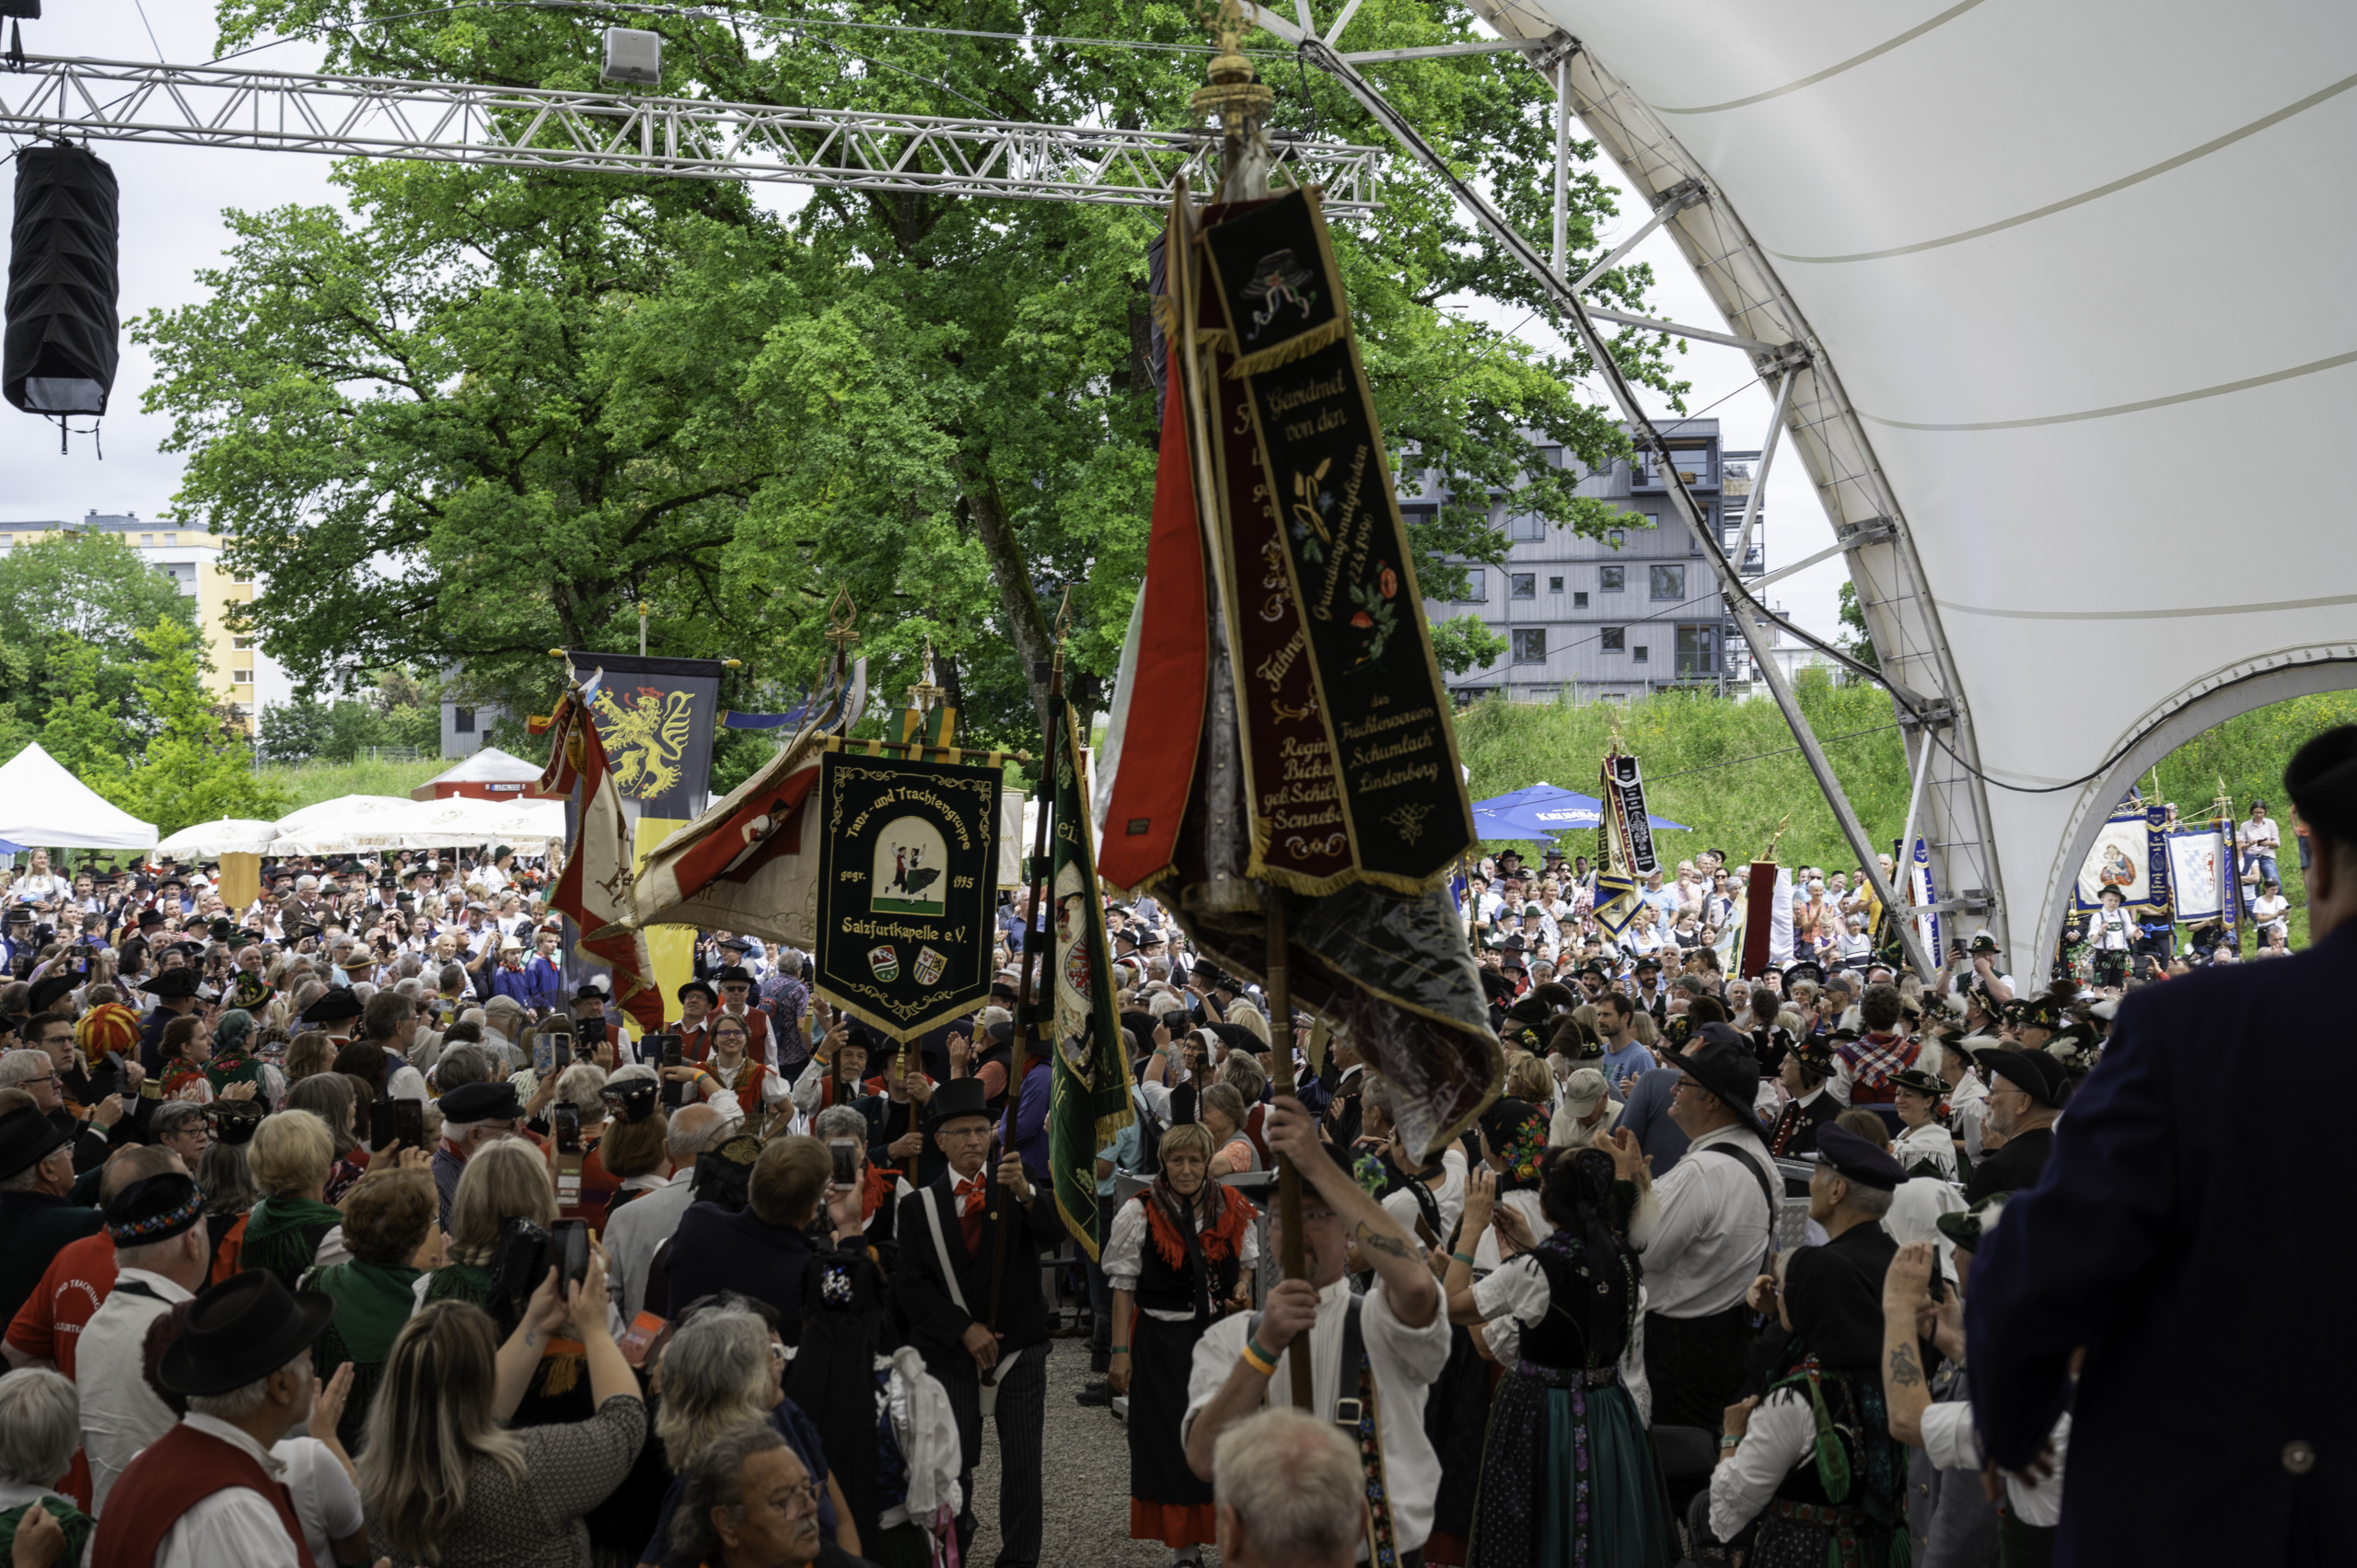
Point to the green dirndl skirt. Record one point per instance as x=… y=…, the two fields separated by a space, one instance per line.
x=1568 y=1476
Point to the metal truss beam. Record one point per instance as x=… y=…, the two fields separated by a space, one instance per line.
x=844 y=149
x=1831 y=443
x=1786 y=356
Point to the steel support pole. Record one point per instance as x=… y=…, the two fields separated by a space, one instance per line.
x=1563 y=179
x=1714 y=552
x=1759 y=479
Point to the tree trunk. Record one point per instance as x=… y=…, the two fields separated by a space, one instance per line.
x=1034 y=638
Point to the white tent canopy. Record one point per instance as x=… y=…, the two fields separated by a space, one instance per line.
x=490 y=765
x=363 y=823
x=211 y=840
x=2115 y=478
x=45 y=805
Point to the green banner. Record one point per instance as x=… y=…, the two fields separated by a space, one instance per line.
x=907 y=859
x=1090 y=1098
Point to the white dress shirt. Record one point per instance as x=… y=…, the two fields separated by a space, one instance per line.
x=1404 y=1362
x=235 y=1525
x=120 y=1414
x=1781 y=1433
x=1714 y=1225
x=1968 y=1103
x=638 y=1229
x=327 y=1503
x=1953 y=1444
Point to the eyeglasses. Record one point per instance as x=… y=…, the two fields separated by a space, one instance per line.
x=949 y=1133
x=800 y=1498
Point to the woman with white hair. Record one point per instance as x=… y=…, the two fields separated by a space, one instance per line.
x=41 y=1426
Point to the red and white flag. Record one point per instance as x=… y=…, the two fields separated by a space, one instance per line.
x=750 y=864
x=596 y=890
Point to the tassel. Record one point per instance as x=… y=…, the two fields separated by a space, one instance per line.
x=1293 y=348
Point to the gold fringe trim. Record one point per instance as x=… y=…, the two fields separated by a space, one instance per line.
x=1292 y=348
x=1216 y=339
x=1165 y=314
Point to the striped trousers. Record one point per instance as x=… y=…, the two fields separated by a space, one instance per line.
x=1021 y=1414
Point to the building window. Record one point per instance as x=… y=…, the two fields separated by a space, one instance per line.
x=1476 y=585
x=462 y=720
x=1554 y=584
x=1526 y=525
x=1522 y=585
x=1615 y=638
x=8 y=539
x=242 y=678
x=1530 y=645
x=1698 y=651
x=1668 y=582
x=241 y=644
x=1638 y=653
x=245 y=582
x=1616 y=537
x=1612 y=579
x=1579 y=602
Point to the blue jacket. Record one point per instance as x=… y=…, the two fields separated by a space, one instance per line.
x=2183 y=1231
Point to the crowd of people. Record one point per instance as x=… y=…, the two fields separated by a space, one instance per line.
x=342 y=1227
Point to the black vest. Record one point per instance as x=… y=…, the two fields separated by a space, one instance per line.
x=1562 y=1340
x=1168 y=1288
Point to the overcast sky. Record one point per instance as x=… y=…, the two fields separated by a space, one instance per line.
x=171 y=228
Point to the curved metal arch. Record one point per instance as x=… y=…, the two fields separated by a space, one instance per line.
x=1820 y=422
x=2225 y=693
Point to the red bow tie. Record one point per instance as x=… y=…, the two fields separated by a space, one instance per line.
x=976 y=1191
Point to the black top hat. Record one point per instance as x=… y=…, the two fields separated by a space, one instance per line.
x=1856 y=1159
x=710 y=994
x=242 y=1330
x=1722 y=1061
x=27 y=1138
x=338 y=1004
x=483 y=1101
x=959 y=1097
x=2034 y=1072
x=173 y=984
x=156 y=1209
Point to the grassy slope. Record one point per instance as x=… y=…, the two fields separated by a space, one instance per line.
x=1509 y=746
x=310 y=782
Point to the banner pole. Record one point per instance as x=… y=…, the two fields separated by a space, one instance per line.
x=1288 y=1174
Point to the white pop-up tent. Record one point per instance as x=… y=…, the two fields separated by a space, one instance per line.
x=377 y=823
x=211 y=840
x=41 y=804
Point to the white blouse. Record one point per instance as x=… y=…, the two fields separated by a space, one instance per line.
x=1124 y=1257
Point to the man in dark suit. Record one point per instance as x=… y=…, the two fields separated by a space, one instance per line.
x=175 y=993
x=2158 y=1223
x=1807 y=1063
x=949 y=1231
x=2026 y=1089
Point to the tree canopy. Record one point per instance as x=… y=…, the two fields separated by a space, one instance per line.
x=490 y=412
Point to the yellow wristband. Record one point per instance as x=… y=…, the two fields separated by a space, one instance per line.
x=1265 y=1368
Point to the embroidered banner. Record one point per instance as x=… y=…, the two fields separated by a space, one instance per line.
x=2197 y=878
x=2157 y=892
x=2121 y=859
x=908 y=855
x=1381 y=706
x=1624 y=793
x=656 y=716
x=1089 y=1100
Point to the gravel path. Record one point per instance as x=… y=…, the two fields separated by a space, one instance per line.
x=1088 y=1486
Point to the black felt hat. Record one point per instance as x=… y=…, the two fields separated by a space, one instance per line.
x=1965 y=1227
x=1806 y=968
x=48 y=988
x=1922 y=1082
x=1722 y=1061
x=172 y=984
x=486 y=1100
x=27 y=1138
x=2037 y=1074
x=156 y=1209
x=710 y=994
x=958 y=1097
x=338 y=1004
x=589 y=992
x=733 y=974
x=241 y=1330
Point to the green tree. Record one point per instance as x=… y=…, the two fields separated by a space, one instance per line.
x=1860 y=645
x=1463 y=644
x=72 y=608
x=196 y=767
x=85 y=731
x=492 y=412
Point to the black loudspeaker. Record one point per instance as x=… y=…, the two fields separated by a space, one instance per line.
x=60 y=354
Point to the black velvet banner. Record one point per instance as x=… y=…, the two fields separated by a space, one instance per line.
x=1380 y=698
x=908 y=853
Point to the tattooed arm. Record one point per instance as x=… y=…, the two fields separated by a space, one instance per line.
x=1408 y=1282
x=1906 y=1384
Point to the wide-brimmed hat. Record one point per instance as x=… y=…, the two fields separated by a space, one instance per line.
x=2034 y=1072
x=711 y=995
x=486 y=1100
x=1965 y=1227
x=173 y=984
x=958 y=1097
x=27 y=1138
x=338 y=1004
x=1922 y=1082
x=240 y=1332
x=1722 y=1061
